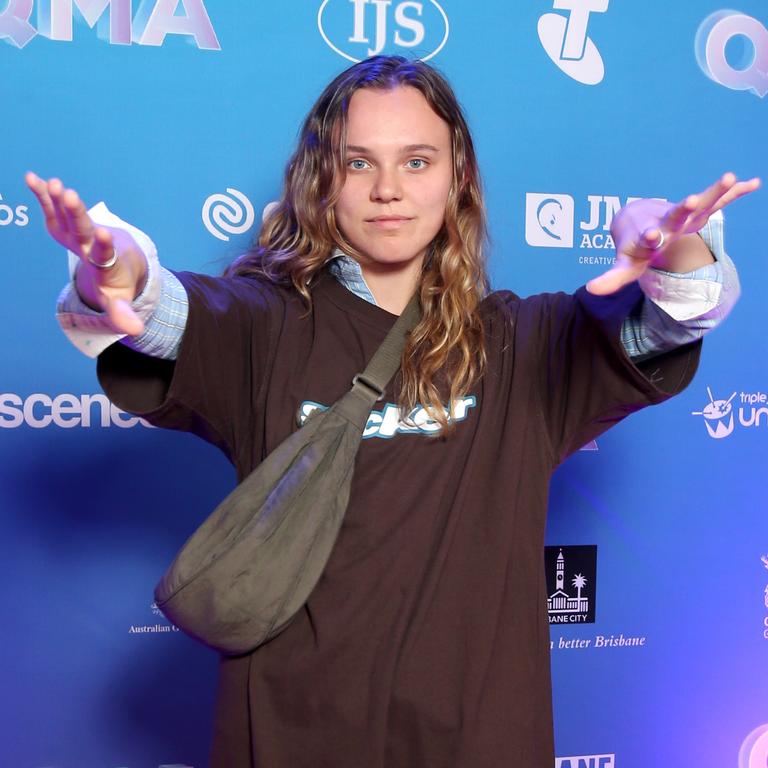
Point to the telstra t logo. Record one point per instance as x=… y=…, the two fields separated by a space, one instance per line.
x=566 y=43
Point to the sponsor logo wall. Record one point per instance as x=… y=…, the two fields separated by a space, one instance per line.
x=177 y=113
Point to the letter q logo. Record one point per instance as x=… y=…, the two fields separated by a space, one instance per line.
x=754 y=750
x=750 y=73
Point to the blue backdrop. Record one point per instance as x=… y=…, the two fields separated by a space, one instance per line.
x=180 y=115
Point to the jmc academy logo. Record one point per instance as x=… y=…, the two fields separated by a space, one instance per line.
x=721 y=414
x=550 y=222
x=571 y=577
x=153 y=21
x=746 y=71
x=565 y=39
x=357 y=29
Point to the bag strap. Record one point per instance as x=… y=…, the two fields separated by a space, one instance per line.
x=372 y=382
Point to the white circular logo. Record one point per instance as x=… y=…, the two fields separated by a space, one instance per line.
x=754 y=750
x=358 y=29
x=231 y=214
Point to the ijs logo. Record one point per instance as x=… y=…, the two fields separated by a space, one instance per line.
x=754 y=750
x=572 y=590
x=357 y=29
x=748 y=69
x=720 y=416
x=153 y=21
x=586 y=761
x=17 y=216
x=566 y=42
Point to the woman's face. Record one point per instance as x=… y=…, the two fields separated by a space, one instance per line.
x=399 y=173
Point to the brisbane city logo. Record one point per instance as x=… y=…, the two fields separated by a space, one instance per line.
x=571 y=578
x=357 y=29
x=722 y=414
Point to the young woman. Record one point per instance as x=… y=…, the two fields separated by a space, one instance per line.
x=426 y=641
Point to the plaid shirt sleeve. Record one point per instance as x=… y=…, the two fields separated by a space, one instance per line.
x=681 y=308
x=162 y=305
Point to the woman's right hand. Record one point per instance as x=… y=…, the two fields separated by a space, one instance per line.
x=105 y=283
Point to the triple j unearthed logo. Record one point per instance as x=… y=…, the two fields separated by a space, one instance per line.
x=721 y=415
x=153 y=21
x=764 y=560
x=732 y=49
x=357 y=29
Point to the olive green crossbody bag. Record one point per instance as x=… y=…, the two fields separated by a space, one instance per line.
x=245 y=572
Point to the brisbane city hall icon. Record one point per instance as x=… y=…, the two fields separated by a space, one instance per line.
x=560 y=601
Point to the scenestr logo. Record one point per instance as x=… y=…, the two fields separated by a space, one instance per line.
x=64 y=410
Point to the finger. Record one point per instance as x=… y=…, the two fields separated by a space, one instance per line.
x=40 y=190
x=676 y=219
x=738 y=190
x=55 y=189
x=614 y=279
x=78 y=221
x=102 y=250
x=652 y=238
x=710 y=196
x=124 y=319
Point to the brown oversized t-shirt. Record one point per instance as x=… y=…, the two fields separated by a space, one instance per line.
x=426 y=642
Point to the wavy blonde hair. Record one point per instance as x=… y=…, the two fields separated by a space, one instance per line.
x=444 y=355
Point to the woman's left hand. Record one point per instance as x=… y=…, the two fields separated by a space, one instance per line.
x=644 y=229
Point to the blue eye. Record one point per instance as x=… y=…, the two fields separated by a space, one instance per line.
x=419 y=164
x=357 y=165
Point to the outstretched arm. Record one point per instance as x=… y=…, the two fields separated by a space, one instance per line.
x=654 y=233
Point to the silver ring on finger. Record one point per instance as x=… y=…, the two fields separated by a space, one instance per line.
x=104 y=264
x=660 y=244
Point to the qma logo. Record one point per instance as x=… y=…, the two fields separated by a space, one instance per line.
x=550 y=222
x=571 y=591
x=153 y=21
x=586 y=761
x=66 y=411
x=720 y=417
x=17 y=216
x=566 y=42
x=746 y=69
x=357 y=29
x=754 y=750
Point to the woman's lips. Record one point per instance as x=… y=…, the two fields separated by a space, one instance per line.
x=388 y=222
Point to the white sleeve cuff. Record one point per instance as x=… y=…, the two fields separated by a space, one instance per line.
x=695 y=294
x=91 y=331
